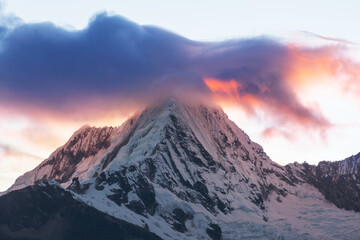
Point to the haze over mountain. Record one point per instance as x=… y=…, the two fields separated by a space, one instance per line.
x=183 y=170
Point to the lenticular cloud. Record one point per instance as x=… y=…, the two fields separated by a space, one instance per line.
x=115 y=60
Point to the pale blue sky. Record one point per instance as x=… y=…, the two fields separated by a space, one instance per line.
x=206 y=19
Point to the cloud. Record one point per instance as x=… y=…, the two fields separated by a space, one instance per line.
x=328 y=38
x=258 y=73
x=112 y=60
x=13 y=162
x=115 y=62
x=7 y=151
x=111 y=53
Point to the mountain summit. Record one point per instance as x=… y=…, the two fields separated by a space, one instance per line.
x=185 y=171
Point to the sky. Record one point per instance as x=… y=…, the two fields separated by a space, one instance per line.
x=287 y=73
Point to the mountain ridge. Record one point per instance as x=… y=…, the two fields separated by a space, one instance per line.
x=187 y=171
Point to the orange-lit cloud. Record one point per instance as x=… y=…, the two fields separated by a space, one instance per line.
x=321 y=64
x=277 y=84
x=283 y=112
x=113 y=67
x=275 y=132
x=230 y=88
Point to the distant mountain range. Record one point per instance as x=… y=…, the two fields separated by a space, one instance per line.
x=179 y=170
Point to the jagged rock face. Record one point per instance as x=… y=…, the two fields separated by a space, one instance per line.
x=79 y=147
x=185 y=171
x=61 y=165
x=339 y=181
x=83 y=150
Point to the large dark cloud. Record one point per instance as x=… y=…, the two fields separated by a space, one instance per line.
x=111 y=56
x=47 y=66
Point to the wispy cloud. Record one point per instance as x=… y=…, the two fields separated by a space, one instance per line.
x=14 y=162
x=339 y=40
x=7 y=151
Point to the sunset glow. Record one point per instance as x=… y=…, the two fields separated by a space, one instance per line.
x=298 y=99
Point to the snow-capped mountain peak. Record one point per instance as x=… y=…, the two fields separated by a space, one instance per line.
x=184 y=170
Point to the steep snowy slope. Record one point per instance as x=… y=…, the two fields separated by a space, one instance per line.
x=185 y=171
x=78 y=157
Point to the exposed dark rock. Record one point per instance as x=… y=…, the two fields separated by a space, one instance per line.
x=132 y=168
x=223 y=207
x=62 y=173
x=150 y=168
x=214 y=231
x=75 y=186
x=337 y=181
x=236 y=143
x=49 y=212
x=136 y=206
x=206 y=200
x=180 y=217
x=201 y=188
x=258 y=200
x=146 y=193
x=118 y=196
